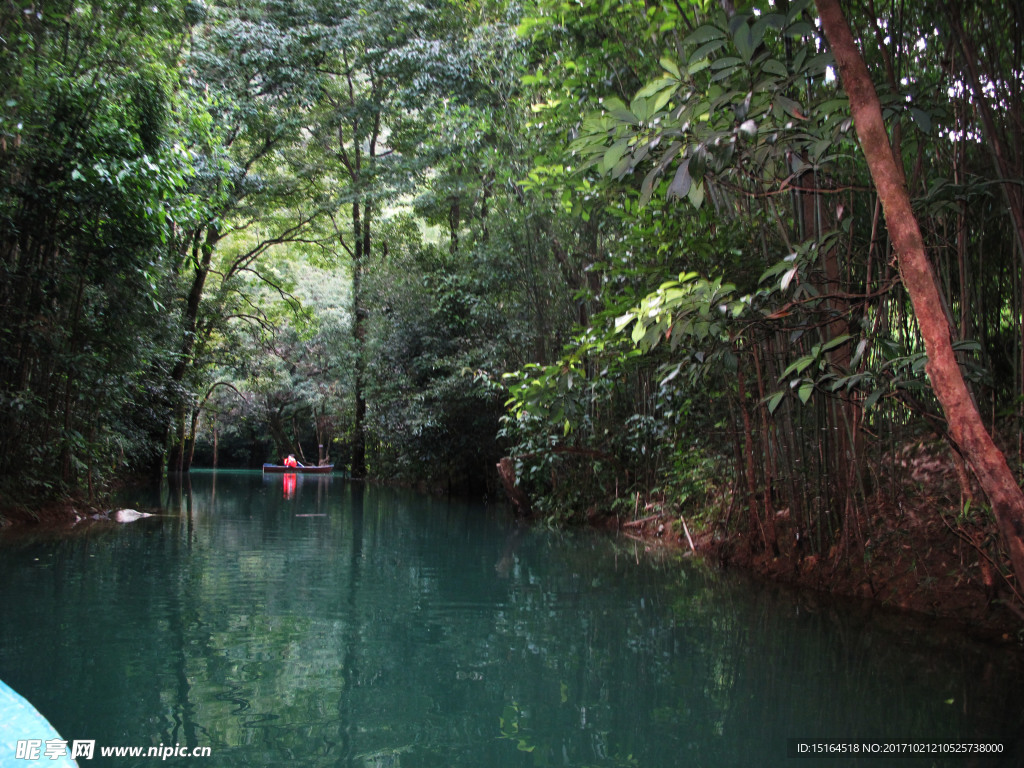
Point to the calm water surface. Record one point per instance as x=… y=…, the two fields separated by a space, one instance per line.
x=332 y=625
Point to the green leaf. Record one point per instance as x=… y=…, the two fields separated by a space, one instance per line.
x=703 y=33
x=745 y=42
x=702 y=52
x=805 y=391
x=790 y=107
x=613 y=103
x=967 y=345
x=613 y=154
x=624 y=166
x=694 y=68
x=796 y=8
x=774 y=21
x=696 y=194
x=799 y=29
x=873 y=398
x=922 y=118
x=670 y=66
x=775 y=67
x=663 y=98
x=681 y=182
x=817 y=65
x=625 y=116
x=837 y=341
x=641 y=107
x=639 y=331
x=657 y=86
x=731 y=62
x=647 y=188
x=798 y=367
x=775 y=269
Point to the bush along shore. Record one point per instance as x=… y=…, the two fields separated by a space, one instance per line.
x=922 y=552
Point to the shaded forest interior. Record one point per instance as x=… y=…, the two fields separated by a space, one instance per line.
x=634 y=248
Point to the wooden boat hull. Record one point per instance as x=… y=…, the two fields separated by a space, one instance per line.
x=281 y=469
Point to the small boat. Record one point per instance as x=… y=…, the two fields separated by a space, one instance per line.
x=326 y=469
x=26 y=735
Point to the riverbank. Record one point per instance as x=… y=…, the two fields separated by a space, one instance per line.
x=909 y=558
x=52 y=514
x=57 y=513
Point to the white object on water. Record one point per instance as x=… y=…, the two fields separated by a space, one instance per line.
x=129 y=515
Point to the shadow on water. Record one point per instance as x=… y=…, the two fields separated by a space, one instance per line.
x=335 y=624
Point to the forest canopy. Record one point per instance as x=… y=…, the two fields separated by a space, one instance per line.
x=637 y=248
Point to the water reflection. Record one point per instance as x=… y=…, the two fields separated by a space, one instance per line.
x=365 y=627
x=293 y=484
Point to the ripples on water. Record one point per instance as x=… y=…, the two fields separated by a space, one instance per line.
x=339 y=626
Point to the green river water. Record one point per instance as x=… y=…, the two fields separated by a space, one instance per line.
x=336 y=625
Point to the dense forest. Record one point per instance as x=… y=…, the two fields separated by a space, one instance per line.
x=758 y=264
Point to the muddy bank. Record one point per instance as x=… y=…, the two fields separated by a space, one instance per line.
x=915 y=560
x=55 y=514
x=58 y=519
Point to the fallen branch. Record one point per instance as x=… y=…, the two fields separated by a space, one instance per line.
x=687 y=531
x=641 y=521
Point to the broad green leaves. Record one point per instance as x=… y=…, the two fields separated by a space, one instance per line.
x=728 y=104
x=690 y=311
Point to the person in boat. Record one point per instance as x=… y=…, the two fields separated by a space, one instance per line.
x=290 y=461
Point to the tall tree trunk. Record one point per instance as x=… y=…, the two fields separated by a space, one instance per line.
x=359 y=334
x=965 y=423
x=454 y=220
x=767 y=451
x=750 y=470
x=202 y=258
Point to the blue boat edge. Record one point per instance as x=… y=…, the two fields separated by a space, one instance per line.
x=20 y=721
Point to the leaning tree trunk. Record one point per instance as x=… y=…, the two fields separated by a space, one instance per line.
x=965 y=424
